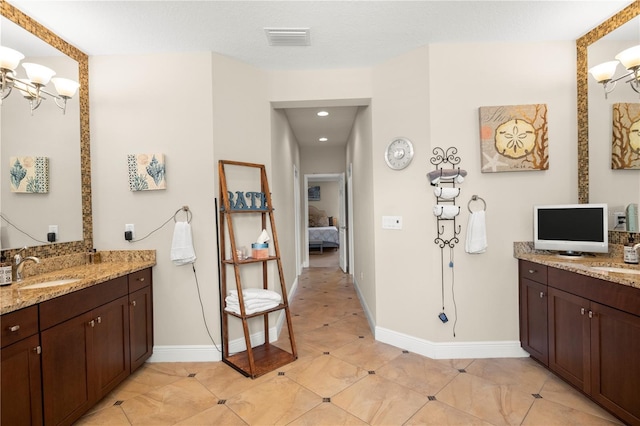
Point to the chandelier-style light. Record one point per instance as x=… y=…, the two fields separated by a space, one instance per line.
x=630 y=59
x=34 y=86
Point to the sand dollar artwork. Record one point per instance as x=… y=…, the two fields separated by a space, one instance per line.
x=625 y=141
x=515 y=138
x=634 y=136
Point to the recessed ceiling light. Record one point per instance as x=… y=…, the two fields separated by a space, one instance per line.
x=322 y=113
x=323 y=139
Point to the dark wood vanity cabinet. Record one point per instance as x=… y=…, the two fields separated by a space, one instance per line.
x=533 y=311
x=62 y=356
x=85 y=348
x=140 y=317
x=593 y=331
x=20 y=368
x=569 y=337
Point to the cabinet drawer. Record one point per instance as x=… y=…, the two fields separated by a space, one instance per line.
x=70 y=305
x=140 y=279
x=18 y=325
x=617 y=296
x=533 y=271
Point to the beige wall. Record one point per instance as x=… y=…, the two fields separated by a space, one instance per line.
x=329 y=197
x=428 y=95
x=442 y=99
x=360 y=157
x=136 y=112
x=285 y=154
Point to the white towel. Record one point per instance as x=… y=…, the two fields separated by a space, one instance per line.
x=446 y=193
x=253 y=310
x=182 y=252
x=476 y=233
x=446 y=212
x=255 y=294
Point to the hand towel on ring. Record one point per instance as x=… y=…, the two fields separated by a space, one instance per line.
x=182 y=252
x=446 y=212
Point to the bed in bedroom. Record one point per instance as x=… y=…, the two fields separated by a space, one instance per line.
x=323 y=233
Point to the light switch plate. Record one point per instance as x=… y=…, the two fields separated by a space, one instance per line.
x=391 y=222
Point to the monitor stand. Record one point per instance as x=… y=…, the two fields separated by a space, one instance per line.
x=570 y=254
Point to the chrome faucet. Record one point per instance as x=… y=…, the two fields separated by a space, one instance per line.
x=20 y=261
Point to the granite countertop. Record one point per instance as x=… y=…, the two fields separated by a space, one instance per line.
x=113 y=265
x=583 y=265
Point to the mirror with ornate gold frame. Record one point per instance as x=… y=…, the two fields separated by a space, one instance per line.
x=16 y=16
x=582 y=45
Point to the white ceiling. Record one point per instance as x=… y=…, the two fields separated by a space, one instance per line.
x=344 y=34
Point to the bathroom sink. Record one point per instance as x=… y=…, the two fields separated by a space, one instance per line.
x=52 y=283
x=615 y=269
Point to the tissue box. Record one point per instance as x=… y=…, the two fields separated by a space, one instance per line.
x=259 y=251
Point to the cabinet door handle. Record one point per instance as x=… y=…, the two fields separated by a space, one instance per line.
x=37 y=350
x=590 y=314
x=92 y=323
x=541 y=294
x=133 y=303
x=99 y=320
x=581 y=311
x=14 y=328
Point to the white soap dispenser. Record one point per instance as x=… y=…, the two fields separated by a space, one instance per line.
x=630 y=255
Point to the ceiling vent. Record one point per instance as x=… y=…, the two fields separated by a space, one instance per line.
x=288 y=36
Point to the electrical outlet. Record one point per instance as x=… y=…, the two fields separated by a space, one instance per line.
x=52 y=235
x=131 y=228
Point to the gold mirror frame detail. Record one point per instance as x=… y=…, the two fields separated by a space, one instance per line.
x=582 y=78
x=35 y=28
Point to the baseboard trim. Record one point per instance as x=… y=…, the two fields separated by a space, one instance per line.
x=451 y=350
x=185 y=353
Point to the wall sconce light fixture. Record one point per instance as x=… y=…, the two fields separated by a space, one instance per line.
x=630 y=59
x=34 y=86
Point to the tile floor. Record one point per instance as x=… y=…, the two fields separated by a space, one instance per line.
x=344 y=377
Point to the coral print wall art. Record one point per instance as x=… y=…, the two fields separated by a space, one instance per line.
x=625 y=144
x=146 y=172
x=29 y=174
x=514 y=138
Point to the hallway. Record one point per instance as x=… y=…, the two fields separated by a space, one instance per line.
x=343 y=376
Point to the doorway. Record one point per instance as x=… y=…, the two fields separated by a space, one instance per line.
x=326 y=214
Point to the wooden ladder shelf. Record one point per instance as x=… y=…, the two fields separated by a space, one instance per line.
x=256 y=360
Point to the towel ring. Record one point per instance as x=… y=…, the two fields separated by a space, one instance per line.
x=187 y=212
x=476 y=198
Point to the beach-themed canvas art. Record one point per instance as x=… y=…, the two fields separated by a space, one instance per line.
x=29 y=174
x=514 y=138
x=625 y=142
x=146 y=172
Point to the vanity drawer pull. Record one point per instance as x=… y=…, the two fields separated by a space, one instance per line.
x=141 y=279
x=532 y=271
x=14 y=328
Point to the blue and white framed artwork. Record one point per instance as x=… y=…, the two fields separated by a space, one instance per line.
x=29 y=175
x=146 y=172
